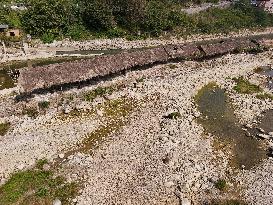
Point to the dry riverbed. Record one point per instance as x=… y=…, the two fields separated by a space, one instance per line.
x=180 y=133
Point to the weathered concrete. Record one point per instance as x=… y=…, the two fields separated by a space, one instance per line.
x=70 y=72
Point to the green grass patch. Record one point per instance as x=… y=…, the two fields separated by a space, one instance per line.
x=4 y=128
x=221 y=184
x=265 y=96
x=36 y=186
x=100 y=91
x=245 y=87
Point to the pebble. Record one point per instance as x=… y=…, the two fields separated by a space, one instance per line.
x=185 y=201
x=61 y=156
x=57 y=202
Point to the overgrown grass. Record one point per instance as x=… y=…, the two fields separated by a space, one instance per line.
x=37 y=187
x=4 y=128
x=245 y=87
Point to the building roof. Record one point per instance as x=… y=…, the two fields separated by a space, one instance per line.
x=4 y=26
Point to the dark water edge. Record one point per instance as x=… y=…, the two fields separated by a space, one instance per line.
x=218 y=118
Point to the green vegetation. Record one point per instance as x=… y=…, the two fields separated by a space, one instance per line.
x=30 y=112
x=44 y=104
x=245 y=87
x=265 y=96
x=133 y=19
x=36 y=186
x=100 y=91
x=115 y=113
x=4 y=128
x=221 y=184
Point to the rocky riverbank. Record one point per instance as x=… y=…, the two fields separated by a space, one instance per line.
x=135 y=138
x=39 y=50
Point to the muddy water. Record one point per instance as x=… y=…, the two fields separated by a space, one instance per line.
x=218 y=118
x=268 y=72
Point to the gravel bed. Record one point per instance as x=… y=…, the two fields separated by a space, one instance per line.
x=152 y=159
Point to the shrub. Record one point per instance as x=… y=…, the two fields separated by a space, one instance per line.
x=77 y=32
x=48 y=38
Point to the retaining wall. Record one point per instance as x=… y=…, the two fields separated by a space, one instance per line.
x=41 y=77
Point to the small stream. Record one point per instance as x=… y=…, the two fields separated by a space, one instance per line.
x=218 y=118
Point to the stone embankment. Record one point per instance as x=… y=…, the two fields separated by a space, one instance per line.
x=42 y=77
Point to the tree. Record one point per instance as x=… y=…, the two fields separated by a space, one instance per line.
x=98 y=15
x=52 y=17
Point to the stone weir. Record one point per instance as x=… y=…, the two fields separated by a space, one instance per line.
x=44 y=77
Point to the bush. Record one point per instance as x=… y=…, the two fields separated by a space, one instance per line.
x=159 y=17
x=77 y=32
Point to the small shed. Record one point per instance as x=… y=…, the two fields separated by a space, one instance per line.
x=13 y=32
x=9 y=31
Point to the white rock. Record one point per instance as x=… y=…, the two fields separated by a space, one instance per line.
x=57 y=202
x=61 y=156
x=264 y=136
x=21 y=166
x=185 y=201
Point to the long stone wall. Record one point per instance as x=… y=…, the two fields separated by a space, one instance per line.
x=41 y=77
